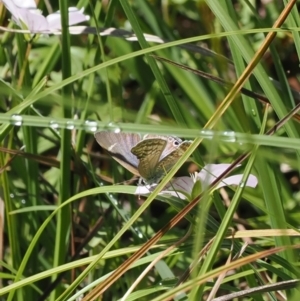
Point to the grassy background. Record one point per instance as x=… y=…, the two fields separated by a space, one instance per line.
x=65 y=227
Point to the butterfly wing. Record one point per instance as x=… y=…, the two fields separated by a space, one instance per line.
x=148 y=152
x=118 y=145
x=167 y=162
x=150 y=157
x=173 y=143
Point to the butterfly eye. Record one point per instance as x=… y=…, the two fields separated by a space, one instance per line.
x=176 y=143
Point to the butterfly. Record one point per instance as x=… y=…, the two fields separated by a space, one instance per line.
x=149 y=157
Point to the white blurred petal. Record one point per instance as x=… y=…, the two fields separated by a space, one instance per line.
x=175 y=193
x=33 y=21
x=215 y=169
x=25 y=14
x=22 y=3
x=174 y=188
x=140 y=190
x=212 y=169
x=236 y=180
x=182 y=186
x=210 y=172
x=31 y=18
x=75 y=16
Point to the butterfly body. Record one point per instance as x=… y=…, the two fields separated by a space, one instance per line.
x=149 y=157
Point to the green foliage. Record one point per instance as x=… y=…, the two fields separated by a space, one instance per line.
x=65 y=226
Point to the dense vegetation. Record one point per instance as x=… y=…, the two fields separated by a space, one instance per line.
x=215 y=73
